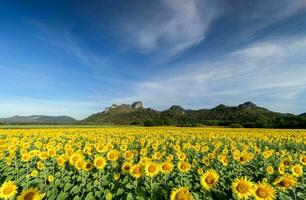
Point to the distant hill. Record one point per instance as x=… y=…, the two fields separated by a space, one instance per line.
x=303 y=115
x=38 y=119
x=247 y=114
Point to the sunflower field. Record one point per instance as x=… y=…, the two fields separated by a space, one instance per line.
x=152 y=163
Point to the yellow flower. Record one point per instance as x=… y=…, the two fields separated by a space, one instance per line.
x=61 y=161
x=136 y=171
x=126 y=167
x=184 y=166
x=151 y=169
x=166 y=167
x=116 y=177
x=74 y=158
x=51 y=178
x=113 y=155
x=87 y=166
x=270 y=170
x=263 y=191
x=181 y=193
x=34 y=173
x=30 y=194
x=109 y=196
x=209 y=179
x=297 y=170
x=303 y=159
x=200 y=171
x=99 y=162
x=242 y=188
x=8 y=190
x=40 y=165
x=286 y=182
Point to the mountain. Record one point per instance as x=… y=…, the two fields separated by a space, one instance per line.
x=247 y=114
x=38 y=119
x=303 y=115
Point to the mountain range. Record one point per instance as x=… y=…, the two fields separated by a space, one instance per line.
x=38 y=119
x=247 y=114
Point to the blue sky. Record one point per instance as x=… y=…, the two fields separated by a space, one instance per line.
x=77 y=57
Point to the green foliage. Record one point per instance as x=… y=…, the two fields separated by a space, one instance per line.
x=247 y=115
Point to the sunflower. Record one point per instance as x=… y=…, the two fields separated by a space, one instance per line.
x=51 y=178
x=151 y=169
x=209 y=179
x=303 y=159
x=60 y=161
x=80 y=165
x=30 y=194
x=126 y=167
x=166 y=167
x=184 y=166
x=136 y=171
x=34 y=173
x=205 y=161
x=181 y=193
x=285 y=182
x=99 y=162
x=270 y=170
x=40 y=165
x=223 y=159
x=200 y=171
x=297 y=170
x=263 y=191
x=113 y=155
x=74 y=158
x=242 y=187
x=245 y=158
x=88 y=166
x=8 y=190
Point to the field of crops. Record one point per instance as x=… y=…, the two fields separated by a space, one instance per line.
x=152 y=163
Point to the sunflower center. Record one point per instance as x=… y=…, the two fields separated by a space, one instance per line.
x=297 y=170
x=136 y=170
x=210 y=179
x=184 y=166
x=285 y=183
x=166 y=167
x=111 y=156
x=243 y=158
x=152 y=168
x=182 y=195
x=127 y=167
x=242 y=188
x=304 y=159
x=262 y=192
x=29 y=196
x=7 y=190
x=287 y=162
x=99 y=162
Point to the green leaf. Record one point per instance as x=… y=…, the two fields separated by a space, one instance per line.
x=89 y=196
x=67 y=186
x=129 y=196
x=62 y=196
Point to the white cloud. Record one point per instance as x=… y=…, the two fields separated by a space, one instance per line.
x=271 y=72
x=176 y=26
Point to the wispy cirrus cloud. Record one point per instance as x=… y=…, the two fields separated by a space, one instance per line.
x=172 y=27
x=63 y=38
x=271 y=72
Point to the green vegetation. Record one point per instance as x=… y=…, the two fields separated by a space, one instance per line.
x=245 y=115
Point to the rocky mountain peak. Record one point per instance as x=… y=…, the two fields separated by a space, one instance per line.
x=177 y=108
x=137 y=105
x=248 y=105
